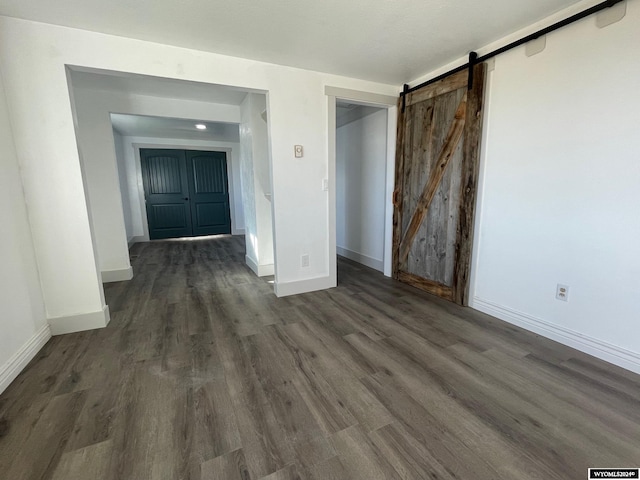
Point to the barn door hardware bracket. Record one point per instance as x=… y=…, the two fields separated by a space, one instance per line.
x=473 y=60
x=405 y=91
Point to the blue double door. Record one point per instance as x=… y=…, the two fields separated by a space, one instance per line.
x=186 y=192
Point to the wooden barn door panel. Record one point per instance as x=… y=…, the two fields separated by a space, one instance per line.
x=436 y=174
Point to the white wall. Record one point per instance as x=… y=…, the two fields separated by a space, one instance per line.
x=256 y=184
x=123 y=183
x=23 y=325
x=361 y=158
x=560 y=190
x=131 y=147
x=248 y=183
x=262 y=183
x=95 y=137
x=33 y=58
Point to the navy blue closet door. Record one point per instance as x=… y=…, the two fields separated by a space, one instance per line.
x=209 y=192
x=166 y=188
x=186 y=192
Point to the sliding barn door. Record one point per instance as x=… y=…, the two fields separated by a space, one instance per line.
x=436 y=175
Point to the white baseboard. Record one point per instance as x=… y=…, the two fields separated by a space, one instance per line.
x=251 y=263
x=266 y=270
x=602 y=350
x=117 y=275
x=79 y=323
x=259 y=270
x=12 y=368
x=284 y=289
x=237 y=231
x=137 y=239
x=361 y=258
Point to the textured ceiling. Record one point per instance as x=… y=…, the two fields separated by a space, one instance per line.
x=161 y=127
x=390 y=41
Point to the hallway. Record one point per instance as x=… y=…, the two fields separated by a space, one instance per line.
x=203 y=373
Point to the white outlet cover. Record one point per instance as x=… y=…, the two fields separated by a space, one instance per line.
x=304 y=260
x=562 y=292
x=298 y=151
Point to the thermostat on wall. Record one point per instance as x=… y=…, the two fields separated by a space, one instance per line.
x=298 y=151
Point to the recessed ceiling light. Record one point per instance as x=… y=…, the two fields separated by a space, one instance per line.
x=201 y=126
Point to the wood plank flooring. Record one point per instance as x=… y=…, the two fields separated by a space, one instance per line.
x=204 y=374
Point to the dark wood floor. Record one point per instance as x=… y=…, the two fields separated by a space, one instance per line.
x=204 y=374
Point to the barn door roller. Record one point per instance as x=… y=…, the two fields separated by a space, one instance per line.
x=405 y=90
x=473 y=59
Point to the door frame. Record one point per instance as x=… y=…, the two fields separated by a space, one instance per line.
x=389 y=103
x=177 y=146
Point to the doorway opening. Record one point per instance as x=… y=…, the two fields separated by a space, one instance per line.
x=362 y=129
x=133 y=134
x=361 y=158
x=122 y=117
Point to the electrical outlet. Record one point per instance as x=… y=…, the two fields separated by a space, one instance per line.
x=562 y=292
x=298 y=150
x=304 y=260
x=325 y=184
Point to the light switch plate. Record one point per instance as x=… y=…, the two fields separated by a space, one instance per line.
x=298 y=150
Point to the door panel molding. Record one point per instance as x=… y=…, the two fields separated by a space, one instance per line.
x=166 y=186
x=209 y=188
x=186 y=192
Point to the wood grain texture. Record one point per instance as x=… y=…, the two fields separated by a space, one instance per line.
x=436 y=177
x=88 y=462
x=230 y=466
x=427 y=285
x=398 y=182
x=450 y=144
x=468 y=187
x=446 y=85
x=203 y=374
